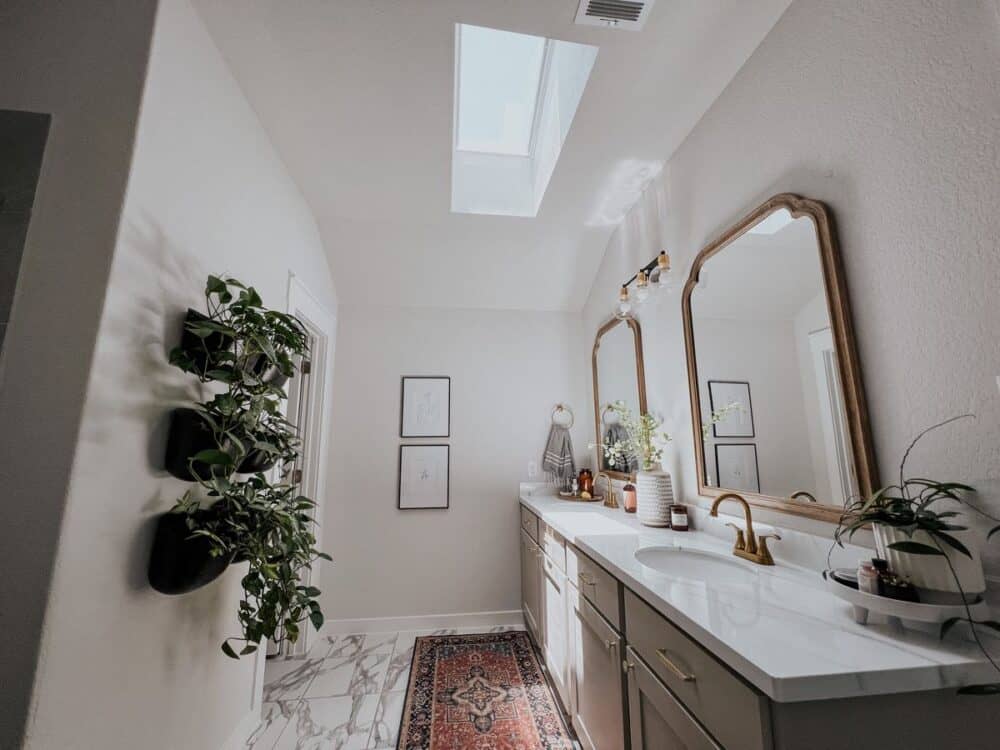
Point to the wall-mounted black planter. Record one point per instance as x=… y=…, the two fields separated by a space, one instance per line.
x=188 y=435
x=201 y=348
x=267 y=372
x=256 y=461
x=179 y=563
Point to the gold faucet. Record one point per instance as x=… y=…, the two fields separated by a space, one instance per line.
x=610 y=499
x=750 y=547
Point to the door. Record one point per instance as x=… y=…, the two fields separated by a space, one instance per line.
x=531 y=583
x=657 y=720
x=597 y=663
x=554 y=606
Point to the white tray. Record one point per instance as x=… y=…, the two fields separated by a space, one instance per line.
x=915 y=611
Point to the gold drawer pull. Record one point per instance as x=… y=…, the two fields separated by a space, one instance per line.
x=678 y=672
x=611 y=645
x=586 y=580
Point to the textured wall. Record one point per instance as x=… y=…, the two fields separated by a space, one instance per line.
x=890 y=113
x=122 y=665
x=508 y=370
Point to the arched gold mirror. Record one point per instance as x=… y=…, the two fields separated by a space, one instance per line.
x=618 y=376
x=777 y=401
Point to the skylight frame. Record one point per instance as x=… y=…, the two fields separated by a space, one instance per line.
x=540 y=86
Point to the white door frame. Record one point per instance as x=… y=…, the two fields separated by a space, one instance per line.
x=322 y=323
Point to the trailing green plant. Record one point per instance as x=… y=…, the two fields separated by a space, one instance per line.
x=252 y=518
x=913 y=505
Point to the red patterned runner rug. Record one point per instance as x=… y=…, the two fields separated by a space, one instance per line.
x=479 y=692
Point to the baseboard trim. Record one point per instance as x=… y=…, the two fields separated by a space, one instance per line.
x=243 y=730
x=424 y=622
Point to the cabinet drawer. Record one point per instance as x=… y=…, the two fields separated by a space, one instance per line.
x=553 y=544
x=735 y=713
x=657 y=720
x=529 y=522
x=599 y=587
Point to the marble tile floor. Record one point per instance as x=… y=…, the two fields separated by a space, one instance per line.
x=346 y=694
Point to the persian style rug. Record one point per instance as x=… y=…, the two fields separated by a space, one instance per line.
x=480 y=692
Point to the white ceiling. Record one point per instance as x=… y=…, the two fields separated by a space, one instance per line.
x=357 y=98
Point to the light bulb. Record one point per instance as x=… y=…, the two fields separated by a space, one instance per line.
x=641 y=287
x=624 y=304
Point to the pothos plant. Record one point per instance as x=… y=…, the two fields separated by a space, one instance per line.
x=915 y=505
x=256 y=518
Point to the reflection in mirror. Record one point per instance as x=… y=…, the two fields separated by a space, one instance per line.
x=618 y=376
x=773 y=413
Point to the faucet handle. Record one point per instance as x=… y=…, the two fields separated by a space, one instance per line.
x=763 y=551
x=741 y=542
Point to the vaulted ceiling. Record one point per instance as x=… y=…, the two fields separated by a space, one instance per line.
x=356 y=96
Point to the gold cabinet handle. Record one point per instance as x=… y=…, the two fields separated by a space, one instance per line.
x=678 y=672
x=586 y=580
x=627 y=666
x=611 y=645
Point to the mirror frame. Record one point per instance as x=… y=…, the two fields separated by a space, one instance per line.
x=640 y=374
x=843 y=334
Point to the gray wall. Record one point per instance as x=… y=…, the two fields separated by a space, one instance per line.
x=22 y=143
x=84 y=63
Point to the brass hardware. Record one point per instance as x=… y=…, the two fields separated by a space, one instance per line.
x=623 y=294
x=586 y=580
x=802 y=493
x=559 y=409
x=611 y=645
x=641 y=280
x=610 y=499
x=627 y=666
x=679 y=673
x=306 y=367
x=297 y=476
x=663 y=261
x=746 y=547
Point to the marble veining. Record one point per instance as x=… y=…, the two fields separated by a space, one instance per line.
x=780 y=629
x=346 y=694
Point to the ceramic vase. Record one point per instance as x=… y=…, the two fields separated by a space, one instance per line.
x=654 y=496
x=932 y=572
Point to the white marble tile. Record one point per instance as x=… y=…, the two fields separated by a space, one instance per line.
x=287 y=679
x=273 y=719
x=398 y=672
x=388 y=716
x=361 y=674
x=344 y=646
x=343 y=723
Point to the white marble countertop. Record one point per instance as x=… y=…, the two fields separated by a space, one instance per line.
x=780 y=630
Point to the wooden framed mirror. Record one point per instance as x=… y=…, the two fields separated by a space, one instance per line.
x=619 y=375
x=777 y=402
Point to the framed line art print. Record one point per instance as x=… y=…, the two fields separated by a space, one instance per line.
x=424 y=477
x=736 y=467
x=425 y=407
x=737 y=423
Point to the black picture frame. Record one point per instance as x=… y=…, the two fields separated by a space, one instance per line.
x=399 y=477
x=402 y=405
x=756 y=465
x=711 y=407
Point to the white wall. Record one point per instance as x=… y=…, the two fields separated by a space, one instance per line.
x=84 y=63
x=124 y=666
x=762 y=353
x=508 y=370
x=888 y=112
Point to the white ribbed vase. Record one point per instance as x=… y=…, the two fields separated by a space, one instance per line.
x=932 y=571
x=654 y=494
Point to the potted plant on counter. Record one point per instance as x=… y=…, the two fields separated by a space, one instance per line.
x=644 y=441
x=242 y=511
x=920 y=528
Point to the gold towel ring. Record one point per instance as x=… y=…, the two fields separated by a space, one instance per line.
x=604 y=411
x=561 y=408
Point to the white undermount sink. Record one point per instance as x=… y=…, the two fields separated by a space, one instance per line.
x=695 y=564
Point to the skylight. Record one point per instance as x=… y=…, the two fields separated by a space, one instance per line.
x=515 y=99
x=499 y=73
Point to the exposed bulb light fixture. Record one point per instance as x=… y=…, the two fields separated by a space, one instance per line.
x=624 y=304
x=641 y=287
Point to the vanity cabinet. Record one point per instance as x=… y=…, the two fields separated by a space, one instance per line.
x=597 y=681
x=555 y=611
x=531 y=586
x=657 y=720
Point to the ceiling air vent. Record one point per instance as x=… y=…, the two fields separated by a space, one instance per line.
x=618 y=14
